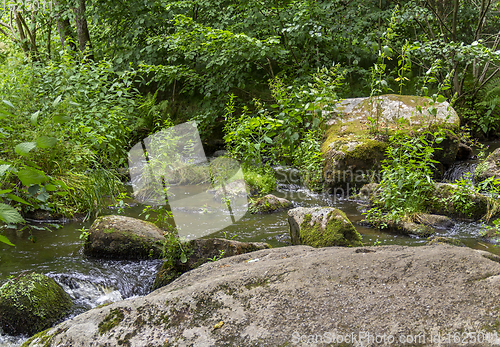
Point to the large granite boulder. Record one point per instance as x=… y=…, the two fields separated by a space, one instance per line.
x=201 y=251
x=489 y=168
x=321 y=227
x=30 y=303
x=304 y=296
x=352 y=151
x=120 y=237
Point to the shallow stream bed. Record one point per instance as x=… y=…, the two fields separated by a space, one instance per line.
x=91 y=282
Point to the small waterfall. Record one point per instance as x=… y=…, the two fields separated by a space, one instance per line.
x=460 y=169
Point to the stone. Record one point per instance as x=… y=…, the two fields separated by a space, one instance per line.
x=322 y=227
x=201 y=251
x=277 y=297
x=30 y=303
x=448 y=203
x=269 y=204
x=353 y=154
x=440 y=240
x=119 y=237
x=434 y=220
x=489 y=168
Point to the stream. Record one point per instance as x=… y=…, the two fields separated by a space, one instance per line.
x=58 y=252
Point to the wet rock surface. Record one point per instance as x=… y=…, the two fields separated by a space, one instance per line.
x=283 y=296
x=119 y=237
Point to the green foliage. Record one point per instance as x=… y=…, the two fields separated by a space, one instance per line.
x=175 y=250
x=62 y=123
x=461 y=198
x=218 y=256
x=407 y=185
x=159 y=215
x=261 y=180
x=290 y=130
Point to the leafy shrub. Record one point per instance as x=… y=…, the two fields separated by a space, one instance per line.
x=407 y=185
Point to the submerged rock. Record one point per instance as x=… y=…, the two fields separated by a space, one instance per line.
x=434 y=220
x=120 y=237
x=31 y=303
x=440 y=240
x=293 y=293
x=201 y=251
x=322 y=227
x=269 y=204
x=489 y=168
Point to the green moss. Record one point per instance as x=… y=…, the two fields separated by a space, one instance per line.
x=109 y=231
x=338 y=231
x=44 y=338
x=114 y=318
x=260 y=282
x=32 y=302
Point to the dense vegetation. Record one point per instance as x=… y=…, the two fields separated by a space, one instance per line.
x=83 y=81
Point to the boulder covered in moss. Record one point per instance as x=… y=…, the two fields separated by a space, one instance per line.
x=119 y=237
x=201 y=251
x=322 y=227
x=489 y=168
x=358 y=133
x=30 y=303
x=455 y=201
x=269 y=204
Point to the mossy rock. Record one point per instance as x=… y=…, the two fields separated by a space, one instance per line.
x=269 y=204
x=200 y=251
x=352 y=152
x=489 y=168
x=31 y=303
x=119 y=237
x=322 y=227
x=447 y=204
x=440 y=240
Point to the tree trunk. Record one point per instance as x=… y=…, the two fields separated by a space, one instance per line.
x=64 y=29
x=82 y=30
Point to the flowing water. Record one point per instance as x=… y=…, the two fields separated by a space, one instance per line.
x=91 y=282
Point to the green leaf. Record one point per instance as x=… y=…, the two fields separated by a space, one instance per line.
x=9 y=214
x=50 y=187
x=56 y=101
x=61 y=119
x=268 y=139
x=24 y=148
x=441 y=98
x=30 y=176
x=8 y=103
x=6 y=240
x=3 y=169
x=183 y=258
x=46 y=141
x=34 y=118
x=18 y=199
